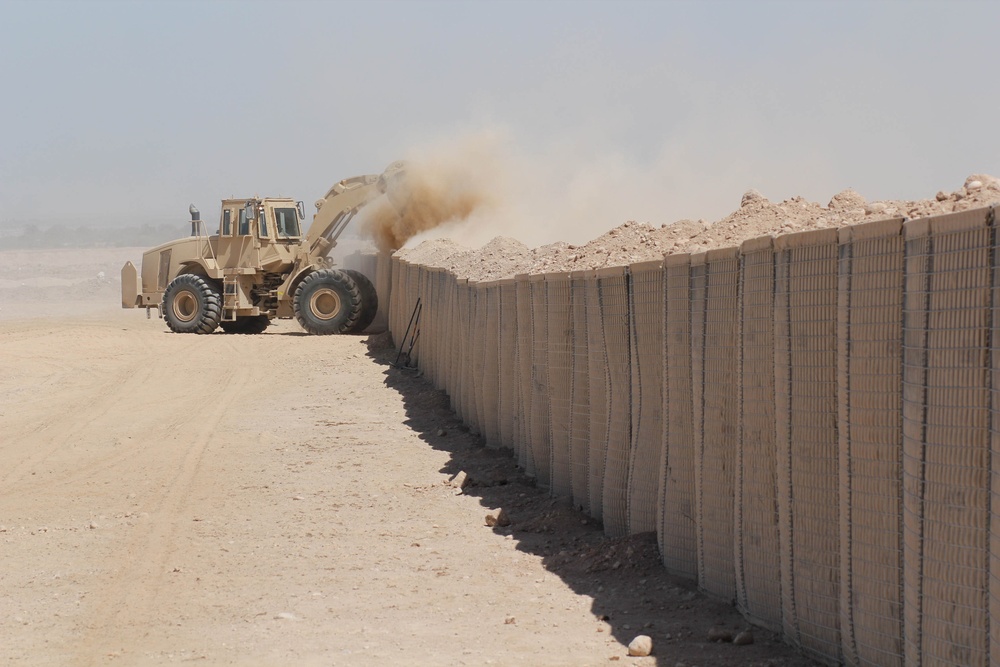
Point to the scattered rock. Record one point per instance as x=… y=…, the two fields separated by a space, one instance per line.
x=441 y=432
x=92 y=526
x=972 y=186
x=498 y=518
x=641 y=646
x=460 y=481
x=286 y=616
x=720 y=635
x=510 y=620
x=942 y=196
x=744 y=638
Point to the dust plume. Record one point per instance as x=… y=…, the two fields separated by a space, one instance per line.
x=444 y=186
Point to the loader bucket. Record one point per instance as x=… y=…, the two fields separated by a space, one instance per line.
x=393 y=183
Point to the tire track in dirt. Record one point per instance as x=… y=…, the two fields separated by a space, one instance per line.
x=131 y=601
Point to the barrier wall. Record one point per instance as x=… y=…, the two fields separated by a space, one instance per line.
x=810 y=423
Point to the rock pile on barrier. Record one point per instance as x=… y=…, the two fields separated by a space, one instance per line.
x=637 y=242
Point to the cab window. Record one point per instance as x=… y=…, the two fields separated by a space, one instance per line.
x=286 y=221
x=227 y=222
x=244 y=226
x=263 y=224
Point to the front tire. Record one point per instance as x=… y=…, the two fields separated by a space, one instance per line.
x=192 y=304
x=369 y=301
x=327 y=302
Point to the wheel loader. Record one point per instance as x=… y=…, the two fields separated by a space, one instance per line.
x=261 y=265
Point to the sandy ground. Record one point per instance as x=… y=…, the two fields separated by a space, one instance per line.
x=283 y=499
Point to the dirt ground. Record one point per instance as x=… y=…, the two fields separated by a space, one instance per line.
x=284 y=499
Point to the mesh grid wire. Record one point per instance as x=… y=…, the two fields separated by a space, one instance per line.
x=560 y=359
x=508 y=366
x=438 y=311
x=579 y=417
x=646 y=310
x=452 y=359
x=469 y=379
x=597 y=357
x=541 y=451
x=807 y=443
x=994 y=584
x=461 y=312
x=412 y=293
x=715 y=330
x=477 y=338
x=755 y=509
x=613 y=286
x=524 y=348
x=425 y=290
x=677 y=533
x=417 y=275
x=383 y=288
x=491 y=365
x=870 y=315
x=946 y=449
x=395 y=299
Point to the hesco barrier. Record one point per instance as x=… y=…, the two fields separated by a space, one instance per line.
x=810 y=423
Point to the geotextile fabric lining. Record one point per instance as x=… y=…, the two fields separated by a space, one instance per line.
x=946 y=439
x=525 y=345
x=579 y=417
x=755 y=508
x=509 y=415
x=678 y=545
x=715 y=364
x=490 y=373
x=613 y=286
x=870 y=378
x=805 y=372
x=560 y=361
x=541 y=446
x=646 y=328
x=597 y=358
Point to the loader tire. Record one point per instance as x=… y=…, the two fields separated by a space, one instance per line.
x=246 y=325
x=369 y=301
x=327 y=302
x=192 y=304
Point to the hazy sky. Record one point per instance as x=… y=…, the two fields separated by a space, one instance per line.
x=121 y=112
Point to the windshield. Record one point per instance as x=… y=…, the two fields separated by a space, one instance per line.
x=287 y=222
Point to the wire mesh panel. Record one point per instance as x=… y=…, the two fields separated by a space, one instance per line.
x=806 y=426
x=579 y=416
x=597 y=356
x=413 y=293
x=541 y=451
x=469 y=379
x=428 y=321
x=646 y=328
x=994 y=584
x=491 y=365
x=477 y=333
x=715 y=329
x=462 y=393
x=755 y=509
x=677 y=532
x=525 y=345
x=613 y=285
x=448 y=329
x=394 y=299
x=946 y=448
x=509 y=414
x=869 y=366
x=560 y=341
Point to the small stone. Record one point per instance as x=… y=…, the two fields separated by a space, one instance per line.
x=942 y=196
x=441 y=432
x=502 y=518
x=875 y=208
x=720 y=635
x=286 y=616
x=744 y=638
x=972 y=186
x=298 y=498
x=460 y=481
x=510 y=620
x=641 y=646
x=92 y=526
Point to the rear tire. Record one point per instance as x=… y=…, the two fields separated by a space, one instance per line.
x=327 y=302
x=369 y=301
x=191 y=304
x=254 y=324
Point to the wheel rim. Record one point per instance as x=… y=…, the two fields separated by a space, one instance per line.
x=324 y=303
x=185 y=306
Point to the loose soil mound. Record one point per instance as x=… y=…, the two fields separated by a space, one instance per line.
x=637 y=242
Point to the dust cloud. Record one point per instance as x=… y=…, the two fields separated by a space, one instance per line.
x=444 y=186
